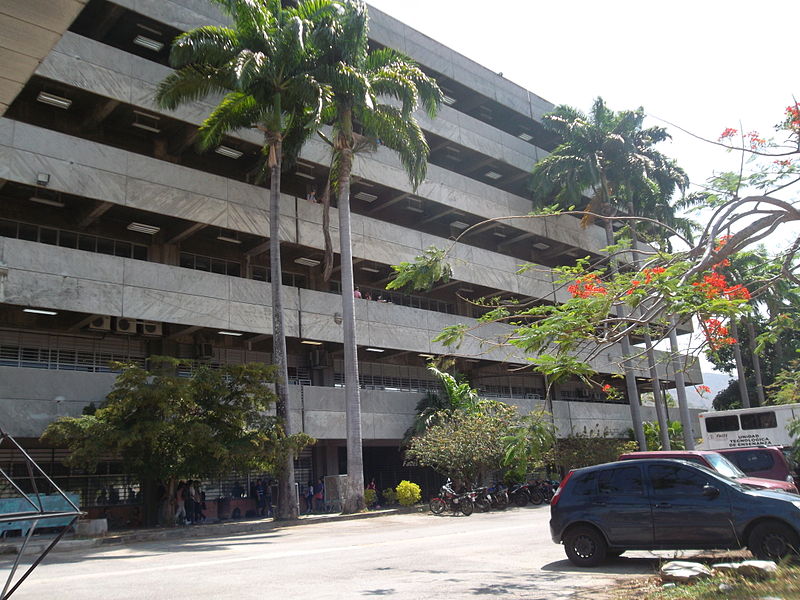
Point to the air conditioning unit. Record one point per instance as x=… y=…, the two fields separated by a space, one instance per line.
x=124 y=325
x=100 y=323
x=318 y=359
x=151 y=328
x=204 y=351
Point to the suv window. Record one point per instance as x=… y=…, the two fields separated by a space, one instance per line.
x=671 y=480
x=623 y=480
x=585 y=485
x=753 y=460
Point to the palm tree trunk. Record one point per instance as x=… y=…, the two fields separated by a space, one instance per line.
x=630 y=377
x=751 y=342
x=287 y=498
x=354 y=487
x=737 y=355
x=680 y=387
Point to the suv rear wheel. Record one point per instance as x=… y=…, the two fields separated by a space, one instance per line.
x=772 y=541
x=585 y=546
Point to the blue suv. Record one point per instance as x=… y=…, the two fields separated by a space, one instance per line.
x=666 y=504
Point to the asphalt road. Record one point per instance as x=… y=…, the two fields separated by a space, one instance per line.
x=416 y=556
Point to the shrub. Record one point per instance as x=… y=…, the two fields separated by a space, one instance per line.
x=408 y=493
x=389 y=496
x=370 y=497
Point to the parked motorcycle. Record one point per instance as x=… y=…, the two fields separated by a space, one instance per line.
x=448 y=498
x=519 y=494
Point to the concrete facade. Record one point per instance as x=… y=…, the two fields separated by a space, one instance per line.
x=74 y=180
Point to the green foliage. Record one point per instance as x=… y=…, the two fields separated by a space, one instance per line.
x=370 y=496
x=786 y=387
x=389 y=496
x=588 y=448
x=408 y=493
x=652 y=433
x=427 y=269
x=165 y=427
x=527 y=444
x=465 y=444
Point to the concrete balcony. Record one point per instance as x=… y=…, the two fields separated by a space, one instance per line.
x=111 y=73
x=58 y=278
x=33 y=398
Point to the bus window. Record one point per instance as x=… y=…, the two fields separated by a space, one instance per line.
x=726 y=423
x=759 y=420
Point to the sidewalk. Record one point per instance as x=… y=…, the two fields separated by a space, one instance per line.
x=221 y=529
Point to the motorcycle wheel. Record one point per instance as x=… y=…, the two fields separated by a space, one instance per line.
x=467 y=507
x=438 y=506
x=502 y=500
x=536 y=497
x=483 y=505
x=521 y=499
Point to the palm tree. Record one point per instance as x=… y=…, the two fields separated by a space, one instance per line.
x=611 y=156
x=358 y=79
x=262 y=65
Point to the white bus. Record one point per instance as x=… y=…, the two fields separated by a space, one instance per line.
x=743 y=427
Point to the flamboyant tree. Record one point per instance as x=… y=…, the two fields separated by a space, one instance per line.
x=611 y=157
x=669 y=286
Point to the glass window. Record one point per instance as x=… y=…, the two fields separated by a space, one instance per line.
x=759 y=420
x=87 y=242
x=218 y=266
x=725 y=423
x=202 y=263
x=122 y=249
x=8 y=228
x=67 y=239
x=140 y=252
x=669 y=480
x=258 y=273
x=585 y=485
x=28 y=232
x=187 y=260
x=234 y=269
x=624 y=480
x=105 y=246
x=48 y=236
x=752 y=460
x=722 y=465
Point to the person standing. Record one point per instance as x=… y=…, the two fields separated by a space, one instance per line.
x=180 y=504
x=309 y=497
x=261 y=497
x=319 y=495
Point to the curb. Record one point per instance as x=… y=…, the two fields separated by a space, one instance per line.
x=198 y=531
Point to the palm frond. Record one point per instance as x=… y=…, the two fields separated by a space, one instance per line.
x=192 y=83
x=213 y=46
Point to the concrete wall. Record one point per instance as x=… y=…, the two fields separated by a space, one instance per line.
x=32 y=398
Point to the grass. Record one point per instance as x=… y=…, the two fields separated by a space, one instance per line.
x=785 y=586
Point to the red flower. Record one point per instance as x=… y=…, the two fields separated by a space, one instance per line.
x=607 y=388
x=728 y=133
x=703 y=389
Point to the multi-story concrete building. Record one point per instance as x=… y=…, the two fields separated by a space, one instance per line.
x=120 y=240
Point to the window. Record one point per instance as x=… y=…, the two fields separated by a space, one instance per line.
x=673 y=480
x=726 y=423
x=752 y=460
x=624 y=480
x=585 y=485
x=759 y=420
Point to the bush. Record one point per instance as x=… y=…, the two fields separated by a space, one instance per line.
x=408 y=493
x=389 y=496
x=370 y=497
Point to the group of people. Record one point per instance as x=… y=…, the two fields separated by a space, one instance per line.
x=261 y=490
x=190 y=501
x=315 y=496
x=367 y=296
